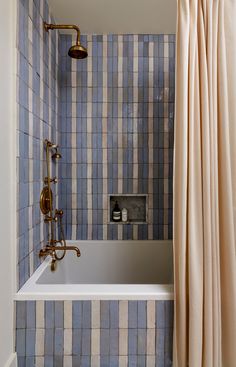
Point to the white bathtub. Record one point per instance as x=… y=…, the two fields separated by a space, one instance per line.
x=106 y=270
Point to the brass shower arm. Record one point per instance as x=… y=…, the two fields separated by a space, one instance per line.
x=48 y=26
x=76 y=51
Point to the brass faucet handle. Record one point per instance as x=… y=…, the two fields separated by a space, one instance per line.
x=52 y=242
x=59 y=212
x=49 y=219
x=53 y=180
x=44 y=251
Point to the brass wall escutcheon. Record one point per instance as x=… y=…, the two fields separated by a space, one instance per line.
x=45 y=196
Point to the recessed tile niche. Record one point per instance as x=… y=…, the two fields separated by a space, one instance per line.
x=136 y=206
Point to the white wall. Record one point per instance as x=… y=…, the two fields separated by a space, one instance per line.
x=122 y=16
x=8 y=178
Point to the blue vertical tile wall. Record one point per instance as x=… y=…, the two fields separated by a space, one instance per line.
x=112 y=114
x=120 y=102
x=74 y=337
x=38 y=116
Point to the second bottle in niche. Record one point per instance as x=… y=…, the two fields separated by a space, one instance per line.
x=124 y=215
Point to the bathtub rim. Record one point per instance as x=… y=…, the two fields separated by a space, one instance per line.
x=32 y=290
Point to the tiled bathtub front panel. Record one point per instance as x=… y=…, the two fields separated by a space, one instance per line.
x=37 y=119
x=94 y=333
x=117 y=133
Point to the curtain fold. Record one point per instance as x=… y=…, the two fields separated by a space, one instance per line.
x=205 y=184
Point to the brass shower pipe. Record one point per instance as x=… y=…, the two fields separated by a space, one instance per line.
x=48 y=180
x=48 y=26
x=46 y=206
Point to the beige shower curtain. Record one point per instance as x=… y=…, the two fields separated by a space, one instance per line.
x=205 y=184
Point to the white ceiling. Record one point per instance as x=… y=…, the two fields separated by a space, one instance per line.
x=117 y=16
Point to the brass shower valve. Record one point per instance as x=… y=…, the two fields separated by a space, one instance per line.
x=55 y=248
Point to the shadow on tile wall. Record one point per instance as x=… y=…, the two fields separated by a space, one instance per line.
x=38 y=96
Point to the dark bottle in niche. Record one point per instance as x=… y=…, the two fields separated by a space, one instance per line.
x=116 y=213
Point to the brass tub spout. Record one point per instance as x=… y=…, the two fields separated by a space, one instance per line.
x=66 y=248
x=51 y=250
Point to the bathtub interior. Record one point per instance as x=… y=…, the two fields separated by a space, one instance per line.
x=114 y=262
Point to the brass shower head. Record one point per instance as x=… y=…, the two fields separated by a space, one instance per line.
x=76 y=51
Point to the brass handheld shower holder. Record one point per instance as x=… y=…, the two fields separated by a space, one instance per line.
x=51 y=216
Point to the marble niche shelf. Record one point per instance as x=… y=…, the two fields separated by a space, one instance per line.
x=136 y=204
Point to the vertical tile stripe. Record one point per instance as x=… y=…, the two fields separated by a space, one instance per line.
x=104 y=138
x=151 y=314
x=89 y=138
x=40 y=335
x=123 y=314
x=40 y=323
x=123 y=333
x=95 y=314
x=120 y=114
x=151 y=361
x=39 y=362
x=150 y=342
x=135 y=118
x=123 y=342
x=123 y=361
x=166 y=141
x=95 y=361
x=74 y=158
x=67 y=361
x=68 y=314
x=68 y=342
x=150 y=141
x=95 y=340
